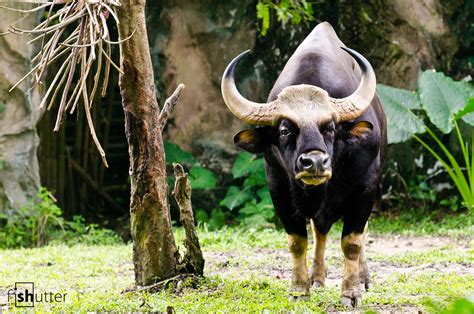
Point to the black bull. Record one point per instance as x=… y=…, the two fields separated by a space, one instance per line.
x=323 y=136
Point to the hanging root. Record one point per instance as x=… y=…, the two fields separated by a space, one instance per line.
x=78 y=31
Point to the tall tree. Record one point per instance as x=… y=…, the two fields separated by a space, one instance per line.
x=154 y=248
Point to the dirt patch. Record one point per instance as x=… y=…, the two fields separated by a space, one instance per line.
x=276 y=264
x=403 y=244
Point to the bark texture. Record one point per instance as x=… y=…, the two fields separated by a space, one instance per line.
x=19 y=174
x=154 y=248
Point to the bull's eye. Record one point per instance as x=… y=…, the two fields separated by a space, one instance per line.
x=328 y=129
x=286 y=128
x=285 y=131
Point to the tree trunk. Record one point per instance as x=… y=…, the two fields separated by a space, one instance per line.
x=154 y=249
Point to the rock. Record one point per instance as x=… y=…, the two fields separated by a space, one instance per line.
x=201 y=39
x=19 y=175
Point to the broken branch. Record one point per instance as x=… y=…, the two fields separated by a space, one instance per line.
x=193 y=257
x=169 y=105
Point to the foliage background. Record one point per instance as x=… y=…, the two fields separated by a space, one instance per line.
x=401 y=41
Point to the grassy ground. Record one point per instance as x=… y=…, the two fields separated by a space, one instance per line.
x=416 y=264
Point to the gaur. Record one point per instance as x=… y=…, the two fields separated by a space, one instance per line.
x=323 y=135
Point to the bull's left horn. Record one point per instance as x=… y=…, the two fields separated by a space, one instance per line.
x=353 y=106
x=246 y=110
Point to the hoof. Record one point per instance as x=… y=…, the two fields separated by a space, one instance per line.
x=364 y=286
x=299 y=297
x=365 y=281
x=351 y=302
x=318 y=284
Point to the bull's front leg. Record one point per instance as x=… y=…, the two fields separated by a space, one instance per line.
x=299 y=278
x=351 y=245
x=319 y=269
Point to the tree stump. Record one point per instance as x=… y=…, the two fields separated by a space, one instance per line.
x=193 y=260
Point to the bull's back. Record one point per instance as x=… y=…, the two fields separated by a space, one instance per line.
x=320 y=61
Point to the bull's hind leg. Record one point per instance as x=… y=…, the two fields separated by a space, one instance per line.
x=299 y=278
x=355 y=267
x=364 y=275
x=351 y=245
x=319 y=269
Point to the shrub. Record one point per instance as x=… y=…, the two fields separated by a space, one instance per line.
x=444 y=103
x=296 y=11
x=247 y=200
x=41 y=222
x=250 y=201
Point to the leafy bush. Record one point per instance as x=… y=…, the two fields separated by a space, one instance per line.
x=78 y=232
x=41 y=222
x=200 y=177
x=296 y=11
x=444 y=102
x=214 y=221
x=247 y=200
x=458 y=306
x=464 y=184
x=251 y=200
x=31 y=225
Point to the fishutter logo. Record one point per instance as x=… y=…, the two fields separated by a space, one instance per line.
x=24 y=295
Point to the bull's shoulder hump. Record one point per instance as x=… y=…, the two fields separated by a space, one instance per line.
x=324 y=28
x=322 y=36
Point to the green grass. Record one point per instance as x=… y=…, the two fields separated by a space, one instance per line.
x=249 y=270
x=410 y=222
x=459 y=226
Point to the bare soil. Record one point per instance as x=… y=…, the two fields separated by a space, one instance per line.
x=276 y=264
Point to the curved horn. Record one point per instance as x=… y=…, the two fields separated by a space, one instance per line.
x=353 y=106
x=246 y=110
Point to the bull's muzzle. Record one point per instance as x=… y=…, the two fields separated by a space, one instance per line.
x=313 y=168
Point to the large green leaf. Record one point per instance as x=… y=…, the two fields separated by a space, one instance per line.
x=246 y=164
x=402 y=123
x=257 y=178
x=235 y=197
x=441 y=97
x=467 y=111
x=202 y=178
x=262 y=208
x=468 y=115
x=174 y=153
x=264 y=195
x=407 y=99
x=263 y=13
x=217 y=219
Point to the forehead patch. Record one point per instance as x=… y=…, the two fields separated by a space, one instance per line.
x=306 y=103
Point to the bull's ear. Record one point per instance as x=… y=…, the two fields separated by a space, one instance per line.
x=251 y=140
x=361 y=129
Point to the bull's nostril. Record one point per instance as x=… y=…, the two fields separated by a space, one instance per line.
x=305 y=163
x=326 y=161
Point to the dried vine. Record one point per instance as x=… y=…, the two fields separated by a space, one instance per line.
x=78 y=31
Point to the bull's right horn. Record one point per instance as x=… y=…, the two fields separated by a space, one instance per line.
x=353 y=106
x=246 y=110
